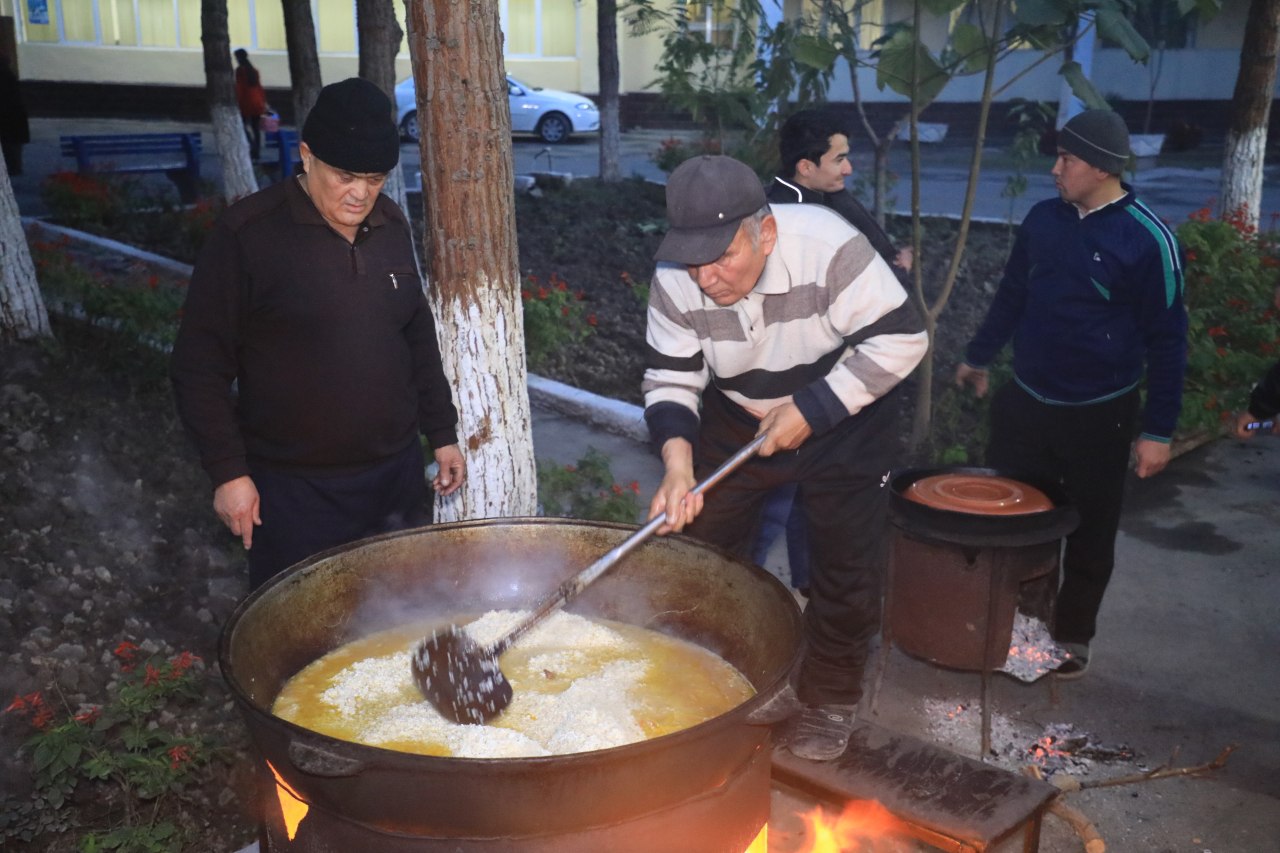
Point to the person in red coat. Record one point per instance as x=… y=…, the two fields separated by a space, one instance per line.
x=252 y=100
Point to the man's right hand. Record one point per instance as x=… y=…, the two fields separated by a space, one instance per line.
x=673 y=497
x=975 y=376
x=236 y=503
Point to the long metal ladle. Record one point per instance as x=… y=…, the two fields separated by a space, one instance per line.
x=463 y=680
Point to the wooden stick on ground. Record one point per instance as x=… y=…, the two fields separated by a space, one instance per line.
x=1069 y=783
x=1084 y=828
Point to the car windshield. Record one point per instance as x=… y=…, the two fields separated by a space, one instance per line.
x=511 y=81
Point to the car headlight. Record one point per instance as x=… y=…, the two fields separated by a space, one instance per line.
x=586 y=105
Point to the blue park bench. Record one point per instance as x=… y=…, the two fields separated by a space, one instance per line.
x=177 y=155
x=286 y=142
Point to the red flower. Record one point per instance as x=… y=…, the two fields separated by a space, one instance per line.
x=635 y=486
x=25 y=704
x=617 y=490
x=179 y=755
x=152 y=676
x=591 y=320
x=1218 y=331
x=89 y=717
x=564 y=310
x=181 y=663
x=526 y=295
x=543 y=293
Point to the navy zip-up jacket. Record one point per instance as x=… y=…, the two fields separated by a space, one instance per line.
x=1089 y=303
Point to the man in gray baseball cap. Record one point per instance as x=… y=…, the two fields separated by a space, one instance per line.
x=1092 y=300
x=786 y=322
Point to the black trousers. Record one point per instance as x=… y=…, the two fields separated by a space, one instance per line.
x=1086 y=449
x=845 y=501
x=253 y=133
x=302 y=516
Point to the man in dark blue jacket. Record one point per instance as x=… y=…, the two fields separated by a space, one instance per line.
x=1092 y=300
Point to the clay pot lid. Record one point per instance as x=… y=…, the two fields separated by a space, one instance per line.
x=978 y=494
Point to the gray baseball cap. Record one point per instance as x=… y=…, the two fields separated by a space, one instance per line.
x=707 y=197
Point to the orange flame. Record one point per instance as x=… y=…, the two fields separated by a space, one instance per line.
x=292 y=805
x=761 y=844
x=864 y=826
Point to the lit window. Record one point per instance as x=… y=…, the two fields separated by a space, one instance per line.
x=119 y=25
x=159 y=27
x=541 y=28
x=336 y=26
x=713 y=21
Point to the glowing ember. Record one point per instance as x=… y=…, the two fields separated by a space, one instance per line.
x=1032 y=651
x=864 y=826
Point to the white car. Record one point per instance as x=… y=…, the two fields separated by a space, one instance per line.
x=551 y=115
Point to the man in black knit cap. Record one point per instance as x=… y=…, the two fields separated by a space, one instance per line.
x=306 y=365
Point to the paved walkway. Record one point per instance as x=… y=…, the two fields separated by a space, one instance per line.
x=1173 y=186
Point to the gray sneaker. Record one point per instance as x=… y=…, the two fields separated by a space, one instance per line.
x=822 y=732
x=1077 y=665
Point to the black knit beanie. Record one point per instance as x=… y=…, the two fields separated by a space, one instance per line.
x=351 y=128
x=1099 y=138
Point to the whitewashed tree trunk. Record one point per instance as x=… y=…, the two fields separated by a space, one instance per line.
x=394 y=189
x=238 y=179
x=470 y=247
x=22 y=311
x=1243 y=156
x=1251 y=111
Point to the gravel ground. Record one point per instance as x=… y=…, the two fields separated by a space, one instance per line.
x=105 y=536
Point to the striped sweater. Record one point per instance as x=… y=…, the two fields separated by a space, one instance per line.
x=827 y=325
x=1090 y=303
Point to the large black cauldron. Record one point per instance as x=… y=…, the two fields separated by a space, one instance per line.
x=705 y=788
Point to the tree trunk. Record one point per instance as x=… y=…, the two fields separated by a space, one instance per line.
x=304 y=62
x=378 y=37
x=922 y=416
x=22 y=313
x=1250 y=111
x=610 y=129
x=228 y=130
x=467 y=180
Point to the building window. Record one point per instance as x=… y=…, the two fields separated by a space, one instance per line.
x=1164 y=25
x=159 y=23
x=540 y=28
x=119 y=23
x=336 y=26
x=77 y=21
x=713 y=20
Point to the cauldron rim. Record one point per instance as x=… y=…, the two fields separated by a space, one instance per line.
x=395 y=757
